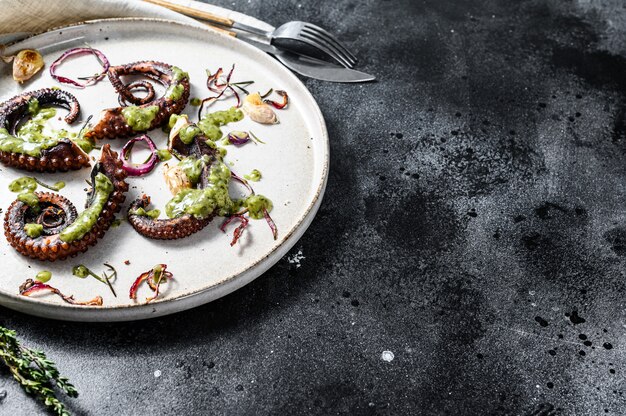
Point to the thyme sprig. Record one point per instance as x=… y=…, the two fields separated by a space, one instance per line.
x=35 y=372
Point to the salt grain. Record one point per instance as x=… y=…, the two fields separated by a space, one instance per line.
x=295 y=259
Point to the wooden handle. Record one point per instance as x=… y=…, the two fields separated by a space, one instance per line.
x=221 y=30
x=188 y=11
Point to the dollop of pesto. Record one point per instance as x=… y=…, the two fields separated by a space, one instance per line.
x=140 y=118
x=178 y=74
x=88 y=218
x=29 y=184
x=26 y=187
x=192 y=167
x=24 y=184
x=153 y=213
x=164 y=155
x=203 y=202
x=254 y=176
x=33 y=106
x=174 y=92
x=188 y=133
x=174 y=119
x=30 y=138
x=33 y=230
x=195 y=101
x=30 y=199
x=80 y=271
x=86 y=145
x=256 y=205
x=210 y=124
x=43 y=276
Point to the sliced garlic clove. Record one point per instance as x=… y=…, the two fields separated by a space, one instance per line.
x=175 y=178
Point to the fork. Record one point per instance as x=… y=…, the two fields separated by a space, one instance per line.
x=300 y=37
x=313 y=36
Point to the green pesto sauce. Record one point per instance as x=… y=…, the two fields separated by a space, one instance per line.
x=140 y=118
x=80 y=271
x=153 y=213
x=193 y=167
x=178 y=74
x=174 y=119
x=203 y=202
x=210 y=124
x=164 y=155
x=195 y=101
x=256 y=204
x=174 y=92
x=30 y=199
x=43 y=276
x=86 y=145
x=254 y=176
x=33 y=230
x=188 y=133
x=28 y=184
x=25 y=184
x=33 y=106
x=30 y=139
x=88 y=218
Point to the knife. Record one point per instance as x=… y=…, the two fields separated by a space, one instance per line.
x=310 y=67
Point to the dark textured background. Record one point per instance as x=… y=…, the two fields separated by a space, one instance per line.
x=474 y=225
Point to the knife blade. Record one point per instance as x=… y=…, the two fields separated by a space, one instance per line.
x=311 y=67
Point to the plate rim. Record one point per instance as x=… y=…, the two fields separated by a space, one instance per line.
x=207 y=294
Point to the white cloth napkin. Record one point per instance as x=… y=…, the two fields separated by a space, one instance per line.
x=19 y=18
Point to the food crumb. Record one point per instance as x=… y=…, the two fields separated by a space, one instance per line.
x=387 y=356
x=127 y=262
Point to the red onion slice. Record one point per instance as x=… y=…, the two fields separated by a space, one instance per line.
x=133 y=289
x=154 y=286
x=239 y=138
x=30 y=286
x=142 y=169
x=282 y=105
x=271 y=223
x=80 y=51
x=239 y=230
x=242 y=181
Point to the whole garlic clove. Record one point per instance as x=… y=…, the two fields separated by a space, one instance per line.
x=259 y=111
x=26 y=64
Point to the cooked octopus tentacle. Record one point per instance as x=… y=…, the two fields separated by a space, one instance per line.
x=138 y=85
x=65 y=155
x=170 y=229
x=112 y=124
x=174 y=228
x=56 y=213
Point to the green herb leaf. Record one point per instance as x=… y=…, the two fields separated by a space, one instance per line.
x=34 y=371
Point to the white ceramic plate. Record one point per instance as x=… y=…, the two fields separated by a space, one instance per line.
x=294 y=164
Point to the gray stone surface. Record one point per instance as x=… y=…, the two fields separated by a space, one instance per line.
x=474 y=226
